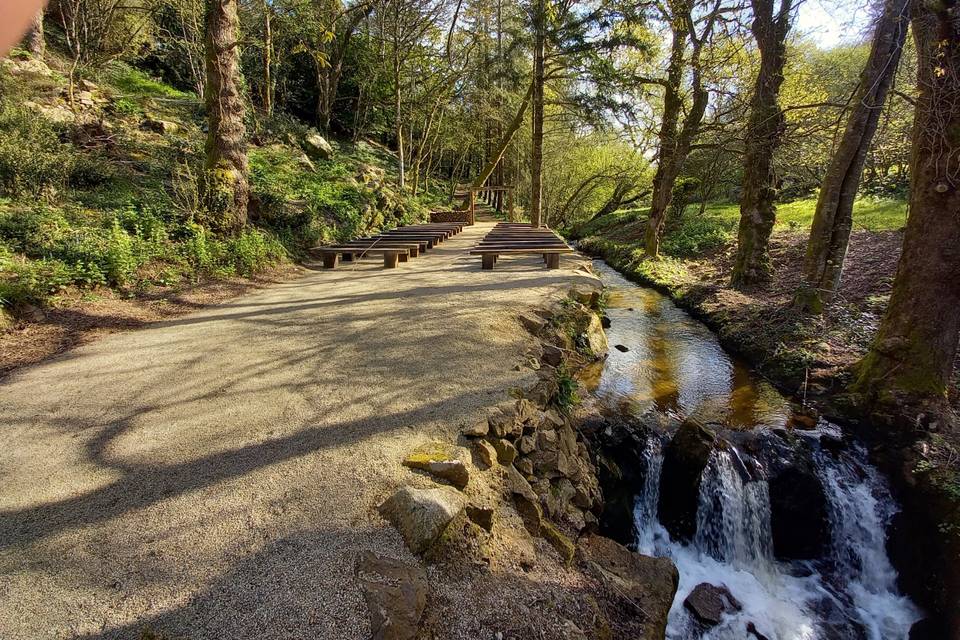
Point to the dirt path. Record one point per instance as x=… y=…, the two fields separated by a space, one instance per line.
x=214 y=476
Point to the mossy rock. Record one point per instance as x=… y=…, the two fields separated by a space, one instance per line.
x=558 y=540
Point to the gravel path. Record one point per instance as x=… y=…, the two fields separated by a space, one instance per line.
x=215 y=476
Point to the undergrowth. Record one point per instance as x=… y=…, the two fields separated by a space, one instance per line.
x=104 y=201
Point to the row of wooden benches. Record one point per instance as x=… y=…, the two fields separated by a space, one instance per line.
x=396 y=245
x=515 y=238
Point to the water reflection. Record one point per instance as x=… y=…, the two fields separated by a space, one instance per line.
x=674 y=365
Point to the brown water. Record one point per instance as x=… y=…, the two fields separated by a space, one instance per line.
x=675 y=365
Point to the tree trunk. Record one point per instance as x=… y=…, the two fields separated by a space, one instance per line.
x=398 y=123
x=764 y=131
x=675 y=139
x=497 y=155
x=267 y=60
x=911 y=359
x=536 y=152
x=34 y=40
x=225 y=182
x=833 y=220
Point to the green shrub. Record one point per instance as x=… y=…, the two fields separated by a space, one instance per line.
x=33 y=161
x=567 y=396
x=125 y=107
x=253 y=250
x=692 y=235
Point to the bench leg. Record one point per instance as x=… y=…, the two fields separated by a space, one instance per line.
x=390 y=260
x=553 y=261
x=403 y=257
x=488 y=260
x=330 y=260
x=347 y=257
x=414 y=252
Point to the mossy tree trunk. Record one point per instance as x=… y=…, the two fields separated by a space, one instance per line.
x=676 y=138
x=911 y=359
x=34 y=40
x=226 y=191
x=833 y=219
x=536 y=152
x=267 y=58
x=764 y=131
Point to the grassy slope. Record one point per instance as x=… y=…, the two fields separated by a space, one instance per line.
x=868 y=213
x=101 y=200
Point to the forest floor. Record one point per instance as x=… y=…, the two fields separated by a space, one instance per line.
x=216 y=474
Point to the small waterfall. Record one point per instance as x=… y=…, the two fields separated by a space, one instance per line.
x=733 y=518
x=860 y=573
x=645 y=509
x=850 y=594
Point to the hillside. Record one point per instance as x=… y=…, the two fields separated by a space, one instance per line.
x=100 y=222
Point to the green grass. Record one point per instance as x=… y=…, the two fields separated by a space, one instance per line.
x=868 y=213
x=134 y=82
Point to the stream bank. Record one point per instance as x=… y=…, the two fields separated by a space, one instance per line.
x=509 y=514
x=917 y=462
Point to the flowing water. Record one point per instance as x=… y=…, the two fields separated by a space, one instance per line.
x=674 y=367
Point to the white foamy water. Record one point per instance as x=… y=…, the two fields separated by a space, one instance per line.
x=784 y=601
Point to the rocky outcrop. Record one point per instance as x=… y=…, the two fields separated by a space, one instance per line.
x=422 y=515
x=799 y=520
x=618 y=444
x=799 y=512
x=395 y=593
x=684 y=459
x=638 y=590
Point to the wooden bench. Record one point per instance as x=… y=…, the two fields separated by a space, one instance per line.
x=391 y=256
x=443 y=234
x=489 y=254
x=515 y=238
x=367 y=244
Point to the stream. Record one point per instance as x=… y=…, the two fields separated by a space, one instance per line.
x=669 y=368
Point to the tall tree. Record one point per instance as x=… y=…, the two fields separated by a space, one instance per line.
x=403 y=26
x=226 y=189
x=678 y=132
x=536 y=118
x=833 y=219
x=765 y=126
x=34 y=40
x=267 y=57
x=913 y=354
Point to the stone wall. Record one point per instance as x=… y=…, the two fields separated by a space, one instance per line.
x=451 y=216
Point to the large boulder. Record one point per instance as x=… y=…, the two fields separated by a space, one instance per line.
x=709 y=603
x=799 y=518
x=637 y=589
x=588 y=296
x=684 y=459
x=157 y=125
x=396 y=595
x=799 y=511
x=317 y=147
x=422 y=515
x=595 y=339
